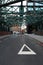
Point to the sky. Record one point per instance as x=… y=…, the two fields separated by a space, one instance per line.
x=24 y=3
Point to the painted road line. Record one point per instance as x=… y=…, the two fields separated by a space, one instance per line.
x=30 y=52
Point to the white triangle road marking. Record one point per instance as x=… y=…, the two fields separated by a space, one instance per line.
x=30 y=52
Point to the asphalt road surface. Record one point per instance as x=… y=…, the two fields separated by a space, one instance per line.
x=20 y=50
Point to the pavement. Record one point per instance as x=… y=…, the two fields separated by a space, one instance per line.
x=4 y=36
x=37 y=37
x=20 y=50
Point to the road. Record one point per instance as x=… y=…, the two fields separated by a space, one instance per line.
x=12 y=45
